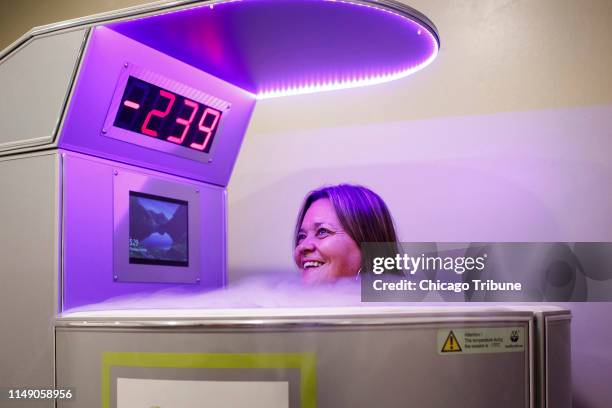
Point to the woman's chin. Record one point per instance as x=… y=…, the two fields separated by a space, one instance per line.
x=317 y=276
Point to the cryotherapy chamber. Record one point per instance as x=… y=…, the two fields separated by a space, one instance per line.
x=116 y=148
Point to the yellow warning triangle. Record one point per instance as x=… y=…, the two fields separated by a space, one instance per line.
x=451 y=344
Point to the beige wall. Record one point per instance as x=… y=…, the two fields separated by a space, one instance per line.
x=496 y=56
x=509 y=111
x=18 y=17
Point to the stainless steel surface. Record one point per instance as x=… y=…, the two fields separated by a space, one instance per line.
x=36 y=80
x=28 y=261
x=245 y=318
x=549 y=358
x=405 y=10
x=552 y=376
x=388 y=365
x=557 y=371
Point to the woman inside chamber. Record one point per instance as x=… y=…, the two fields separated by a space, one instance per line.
x=332 y=225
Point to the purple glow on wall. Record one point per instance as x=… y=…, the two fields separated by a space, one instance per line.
x=275 y=48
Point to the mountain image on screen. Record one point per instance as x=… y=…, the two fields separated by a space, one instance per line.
x=158 y=230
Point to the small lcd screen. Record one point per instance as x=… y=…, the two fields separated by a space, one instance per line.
x=158 y=230
x=156 y=112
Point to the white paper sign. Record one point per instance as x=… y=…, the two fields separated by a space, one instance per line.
x=148 y=393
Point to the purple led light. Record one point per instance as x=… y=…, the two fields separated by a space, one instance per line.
x=364 y=79
x=274 y=48
x=349 y=83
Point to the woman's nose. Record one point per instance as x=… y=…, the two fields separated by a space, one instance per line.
x=307 y=245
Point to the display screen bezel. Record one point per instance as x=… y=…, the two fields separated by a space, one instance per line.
x=124 y=182
x=186 y=91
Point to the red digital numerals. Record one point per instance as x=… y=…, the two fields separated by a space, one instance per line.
x=185 y=122
x=158 y=113
x=206 y=130
x=209 y=115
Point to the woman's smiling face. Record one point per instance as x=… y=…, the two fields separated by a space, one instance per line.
x=324 y=251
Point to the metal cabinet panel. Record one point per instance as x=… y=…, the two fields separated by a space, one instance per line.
x=36 y=80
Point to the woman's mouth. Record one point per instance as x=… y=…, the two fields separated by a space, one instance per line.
x=312 y=264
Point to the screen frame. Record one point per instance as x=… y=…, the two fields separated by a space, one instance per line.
x=125 y=182
x=109 y=130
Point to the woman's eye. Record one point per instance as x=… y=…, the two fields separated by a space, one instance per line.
x=301 y=237
x=323 y=232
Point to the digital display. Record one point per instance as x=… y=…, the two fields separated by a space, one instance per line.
x=156 y=112
x=158 y=230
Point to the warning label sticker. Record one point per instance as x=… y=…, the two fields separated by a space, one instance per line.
x=480 y=340
x=451 y=344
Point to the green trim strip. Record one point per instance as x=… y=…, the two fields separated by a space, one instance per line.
x=306 y=362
